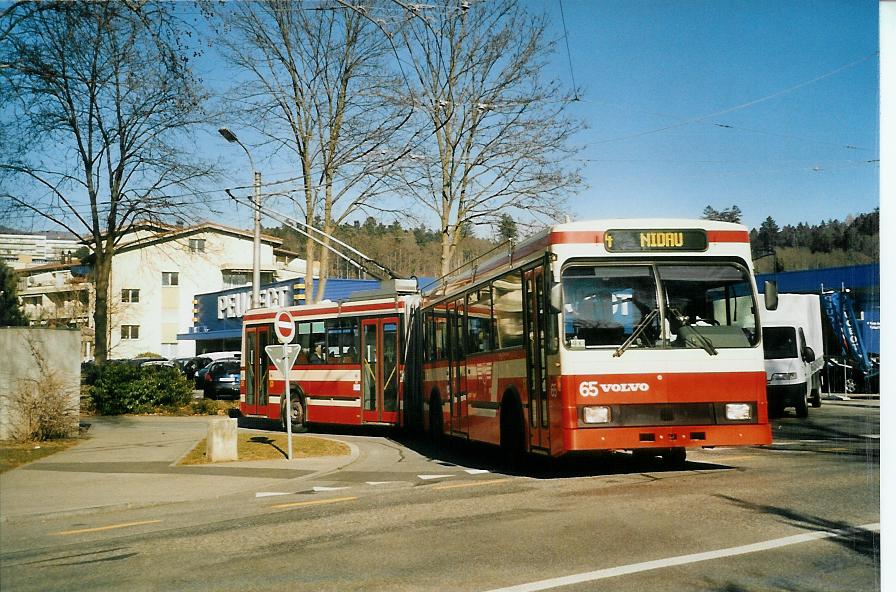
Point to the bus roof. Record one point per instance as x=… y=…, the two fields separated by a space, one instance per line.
x=579 y=232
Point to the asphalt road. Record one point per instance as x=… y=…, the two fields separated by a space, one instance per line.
x=800 y=515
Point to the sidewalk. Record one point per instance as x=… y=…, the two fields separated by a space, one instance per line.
x=129 y=461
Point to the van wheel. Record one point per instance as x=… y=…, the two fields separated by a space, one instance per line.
x=815 y=399
x=802 y=407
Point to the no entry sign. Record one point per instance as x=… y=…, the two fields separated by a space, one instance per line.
x=284 y=327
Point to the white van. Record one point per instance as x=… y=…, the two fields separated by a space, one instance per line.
x=794 y=353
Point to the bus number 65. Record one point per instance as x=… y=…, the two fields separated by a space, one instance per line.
x=588 y=388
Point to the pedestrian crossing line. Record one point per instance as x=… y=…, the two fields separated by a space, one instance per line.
x=333 y=500
x=470 y=484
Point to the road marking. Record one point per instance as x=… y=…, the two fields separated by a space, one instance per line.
x=380 y=482
x=102 y=528
x=871 y=436
x=430 y=477
x=321 y=488
x=476 y=471
x=313 y=503
x=470 y=484
x=270 y=493
x=622 y=570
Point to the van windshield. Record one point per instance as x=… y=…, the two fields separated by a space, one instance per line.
x=779 y=342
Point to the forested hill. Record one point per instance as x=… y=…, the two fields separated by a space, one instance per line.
x=416 y=251
x=407 y=251
x=833 y=243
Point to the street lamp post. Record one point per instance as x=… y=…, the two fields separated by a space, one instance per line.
x=256 y=203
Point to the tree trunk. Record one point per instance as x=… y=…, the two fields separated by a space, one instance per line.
x=101 y=317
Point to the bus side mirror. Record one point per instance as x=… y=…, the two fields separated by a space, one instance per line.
x=556 y=296
x=771 y=295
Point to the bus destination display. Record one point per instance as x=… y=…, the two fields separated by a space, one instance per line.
x=640 y=241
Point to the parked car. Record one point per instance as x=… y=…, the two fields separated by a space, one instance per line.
x=221 y=379
x=194 y=368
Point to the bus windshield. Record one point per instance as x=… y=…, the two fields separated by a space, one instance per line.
x=670 y=305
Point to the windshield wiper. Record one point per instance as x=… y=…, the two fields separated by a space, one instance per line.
x=701 y=338
x=645 y=322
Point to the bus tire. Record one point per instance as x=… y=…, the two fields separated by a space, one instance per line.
x=436 y=421
x=675 y=458
x=298 y=411
x=513 y=432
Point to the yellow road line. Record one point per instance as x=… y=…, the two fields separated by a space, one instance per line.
x=102 y=528
x=471 y=484
x=313 y=503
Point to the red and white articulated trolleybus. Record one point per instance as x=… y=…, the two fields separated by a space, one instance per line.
x=349 y=370
x=638 y=335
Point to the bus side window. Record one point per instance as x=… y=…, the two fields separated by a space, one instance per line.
x=479 y=320
x=440 y=335
x=508 y=306
x=304 y=340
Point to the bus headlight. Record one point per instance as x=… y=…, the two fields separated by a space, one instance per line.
x=596 y=414
x=738 y=411
x=783 y=376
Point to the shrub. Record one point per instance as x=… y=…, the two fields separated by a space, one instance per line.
x=43 y=409
x=123 y=388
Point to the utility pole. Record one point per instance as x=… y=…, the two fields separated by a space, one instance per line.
x=256 y=205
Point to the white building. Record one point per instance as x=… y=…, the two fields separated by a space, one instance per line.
x=156 y=271
x=20 y=251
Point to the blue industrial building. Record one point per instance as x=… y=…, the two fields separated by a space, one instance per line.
x=861 y=281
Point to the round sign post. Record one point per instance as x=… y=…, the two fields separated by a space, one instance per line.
x=285 y=329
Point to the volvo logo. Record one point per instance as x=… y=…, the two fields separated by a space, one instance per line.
x=592 y=388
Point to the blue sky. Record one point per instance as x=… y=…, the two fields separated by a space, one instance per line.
x=649 y=65
x=794 y=83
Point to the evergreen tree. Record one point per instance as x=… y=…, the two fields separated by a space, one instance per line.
x=507 y=229
x=10 y=313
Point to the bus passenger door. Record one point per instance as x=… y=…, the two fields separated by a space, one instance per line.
x=256 y=370
x=380 y=370
x=536 y=359
x=457 y=367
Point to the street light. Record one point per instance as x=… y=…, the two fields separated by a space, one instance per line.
x=256 y=205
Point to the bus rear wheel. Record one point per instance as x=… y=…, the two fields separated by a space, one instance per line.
x=513 y=434
x=297 y=415
x=436 y=423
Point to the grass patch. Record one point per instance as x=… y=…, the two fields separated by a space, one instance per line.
x=16 y=454
x=254 y=446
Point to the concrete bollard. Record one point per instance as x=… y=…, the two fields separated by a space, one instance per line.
x=221 y=442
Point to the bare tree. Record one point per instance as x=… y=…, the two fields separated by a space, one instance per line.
x=320 y=89
x=101 y=100
x=500 y=136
